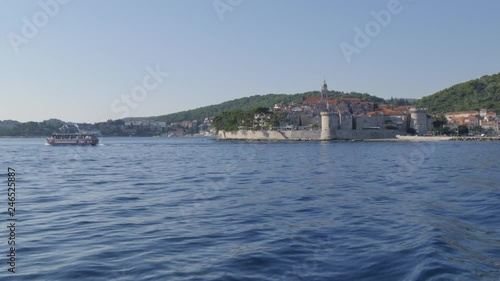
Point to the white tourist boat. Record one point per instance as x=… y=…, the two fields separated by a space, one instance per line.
x=79 y=138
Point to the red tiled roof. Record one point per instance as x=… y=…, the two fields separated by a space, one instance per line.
x=461 y=112
x=311 y=100
x=389 y=112
x=401 y=108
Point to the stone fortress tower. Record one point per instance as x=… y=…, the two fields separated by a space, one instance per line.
x=325 y=126
x=419 y=120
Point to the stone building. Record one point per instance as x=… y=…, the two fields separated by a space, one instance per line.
x=420 y=121
x=365 y=121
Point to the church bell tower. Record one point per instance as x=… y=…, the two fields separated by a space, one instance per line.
x=324 y=92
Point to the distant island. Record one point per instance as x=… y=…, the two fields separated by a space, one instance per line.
x=466 y=108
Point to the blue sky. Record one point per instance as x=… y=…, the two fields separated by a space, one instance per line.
x=85 y=57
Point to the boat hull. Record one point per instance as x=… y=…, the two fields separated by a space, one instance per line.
x=68 y=142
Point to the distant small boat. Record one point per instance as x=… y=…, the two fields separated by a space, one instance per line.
x=73 y=139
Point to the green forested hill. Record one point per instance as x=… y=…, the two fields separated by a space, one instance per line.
x=472 y=95
x=248 y=103
x=15 y=128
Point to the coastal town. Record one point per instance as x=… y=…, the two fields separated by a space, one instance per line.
x=320 y=115
x=352 y=116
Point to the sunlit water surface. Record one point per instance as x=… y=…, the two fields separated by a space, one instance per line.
x=198 y=209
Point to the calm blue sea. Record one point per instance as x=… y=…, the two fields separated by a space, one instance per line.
x=198 y=209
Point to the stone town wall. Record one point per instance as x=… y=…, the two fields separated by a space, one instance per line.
x=251 y=135
x=270 y=135
x=364 y=134
x=306 y=135
x=303 y=134
x=370 y=122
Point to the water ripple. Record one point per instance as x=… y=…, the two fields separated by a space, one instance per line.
x=197 y=209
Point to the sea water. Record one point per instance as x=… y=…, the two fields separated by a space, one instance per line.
x=200 y=209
